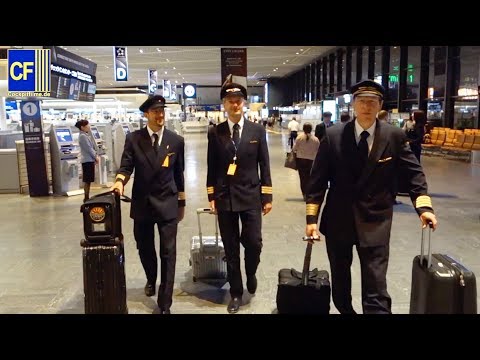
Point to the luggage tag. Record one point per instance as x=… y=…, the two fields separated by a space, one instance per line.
x=232 y=167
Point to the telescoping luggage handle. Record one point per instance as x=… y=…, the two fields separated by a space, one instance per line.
x=422 y=256
x=206 y=211
x=307 y=259
x=122 y=197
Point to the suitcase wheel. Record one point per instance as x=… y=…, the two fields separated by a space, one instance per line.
x=190 y=262
x=194 y=279
x=82 y=243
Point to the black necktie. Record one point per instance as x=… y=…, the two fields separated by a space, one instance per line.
x=155 y=143
x=363 y=146
x=236 y=134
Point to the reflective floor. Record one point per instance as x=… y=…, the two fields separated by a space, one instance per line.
x=41 y=257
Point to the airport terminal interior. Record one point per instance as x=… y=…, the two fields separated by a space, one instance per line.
x=41 y=270
x=41 y=257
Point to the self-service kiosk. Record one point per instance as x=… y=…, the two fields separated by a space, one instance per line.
x=101 y=169
x=105 y=133
x=119 y=133
x=64 y=154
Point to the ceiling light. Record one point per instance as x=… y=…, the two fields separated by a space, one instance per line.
x=166 y=72
x=159 y=50
x=174 y=68
x=284 y=63
x=301 y=49
x=141 y=51
x=167 y=60
x=179 y=74
x=297 y=53
x=287 y=60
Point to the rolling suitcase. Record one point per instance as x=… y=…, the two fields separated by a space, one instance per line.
x=306 y=292
x=103 y=255
x=207 y=255
x=441 y=285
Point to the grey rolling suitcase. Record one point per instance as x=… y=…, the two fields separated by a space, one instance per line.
x=207 y=255
x=441 y=285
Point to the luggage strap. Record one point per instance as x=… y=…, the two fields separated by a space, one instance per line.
x=312 y=276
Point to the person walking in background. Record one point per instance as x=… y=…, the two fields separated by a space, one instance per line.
x=89 y=156
x=383 y=115
x=293 y=126
x=320 y=129
x=344 y=117
x=416 y=135
x=237 y=153
x=362 y=159
x=305 y=148
x=156 y=154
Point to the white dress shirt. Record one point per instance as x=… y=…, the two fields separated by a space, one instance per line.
x=230 y=126
x=159 y=133
x=371 y=131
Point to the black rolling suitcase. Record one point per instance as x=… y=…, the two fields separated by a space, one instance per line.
x=306 y=292
x=441 y=285
x=103 y=255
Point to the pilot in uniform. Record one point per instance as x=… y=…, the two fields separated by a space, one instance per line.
x=239 y=187
x=362 y=159
x=158 y=196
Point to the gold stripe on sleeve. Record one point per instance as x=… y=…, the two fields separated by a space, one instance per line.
x=423 y=201
x=312 y=209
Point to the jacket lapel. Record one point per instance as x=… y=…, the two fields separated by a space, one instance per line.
x=380 y=142
x=349 y=146
x=223 y=132
x=244 y=139
x=146 y=146
x=164 y=147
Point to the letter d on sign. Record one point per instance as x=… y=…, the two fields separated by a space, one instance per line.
x=121 y=74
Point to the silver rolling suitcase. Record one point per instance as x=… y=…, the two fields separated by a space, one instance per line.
x=207 y=255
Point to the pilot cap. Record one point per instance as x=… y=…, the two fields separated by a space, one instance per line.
x=233 y=89
x=152 y=103
x=368 y=88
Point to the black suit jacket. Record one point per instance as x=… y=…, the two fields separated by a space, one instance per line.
x=320 y=130
x=245 y=190
x=362 y=206
x=158 y=185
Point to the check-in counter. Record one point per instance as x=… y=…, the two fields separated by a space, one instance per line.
x=9 y=181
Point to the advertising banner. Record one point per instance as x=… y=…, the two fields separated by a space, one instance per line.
x=152 y=81
x=234 y=65
x=121 y=63
x=34 y=151
x=167 y=89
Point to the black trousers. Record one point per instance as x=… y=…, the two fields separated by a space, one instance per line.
x=373 y=265
x=144 y=236
x=304 y=166
x=250 y=238
x=291 y=139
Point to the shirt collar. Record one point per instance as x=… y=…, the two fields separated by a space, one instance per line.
x=359 y=129
x=231 y=123
x=151 y=132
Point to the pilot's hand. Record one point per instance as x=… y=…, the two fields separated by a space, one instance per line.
x=267 y=208
x=428 y=217
x=118 y=187
x=181 y=213
x=311 y=230
x=212 y=206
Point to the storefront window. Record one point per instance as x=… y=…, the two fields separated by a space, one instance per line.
x=393 y=73
x=437 y=70
x=365 y=63
x=413 y=72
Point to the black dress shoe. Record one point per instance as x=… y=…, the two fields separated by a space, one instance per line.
x=252 y=284
x=149 y=289
x=165 y=311
x=234 y=305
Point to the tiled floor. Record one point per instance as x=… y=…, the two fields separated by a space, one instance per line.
x=41 y=262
